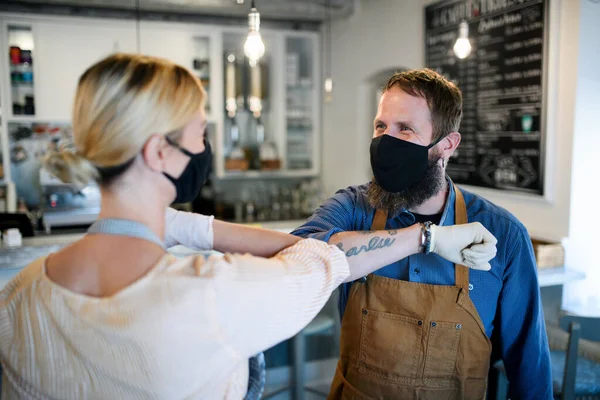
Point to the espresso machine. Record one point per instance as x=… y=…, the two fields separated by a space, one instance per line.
x=67 y=205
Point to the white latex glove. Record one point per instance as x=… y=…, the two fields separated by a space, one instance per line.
x=470 y=244
x=191 y=230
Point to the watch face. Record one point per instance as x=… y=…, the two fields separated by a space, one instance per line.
x=427 y=237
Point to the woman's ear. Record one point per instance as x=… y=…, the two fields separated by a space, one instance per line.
x=154 y=152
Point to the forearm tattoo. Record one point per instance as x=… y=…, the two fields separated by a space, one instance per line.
x=376 y=243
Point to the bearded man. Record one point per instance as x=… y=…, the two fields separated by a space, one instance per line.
x=423 y=327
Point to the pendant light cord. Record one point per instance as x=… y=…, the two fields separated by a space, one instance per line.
x=137 y=25
x=328 y=55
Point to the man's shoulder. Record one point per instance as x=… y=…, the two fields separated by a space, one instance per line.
x=355 y=195
x=355 y=190
x=481 y=209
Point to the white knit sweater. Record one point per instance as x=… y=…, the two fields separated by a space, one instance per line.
x=185 y=330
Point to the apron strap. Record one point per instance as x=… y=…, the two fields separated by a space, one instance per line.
x=461 y=273
x=125 y=227
x=379 y=220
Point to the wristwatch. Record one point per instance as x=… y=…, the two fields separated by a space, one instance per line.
x=426 y=237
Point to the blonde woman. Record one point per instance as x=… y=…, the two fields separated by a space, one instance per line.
x=113 y=316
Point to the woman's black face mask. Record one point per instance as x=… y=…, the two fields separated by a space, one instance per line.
x=195 y=174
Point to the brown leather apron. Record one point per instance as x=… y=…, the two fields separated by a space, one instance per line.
x=407 y=340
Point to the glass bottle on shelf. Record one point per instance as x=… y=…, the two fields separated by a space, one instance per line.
x=3 y=207
x=235 y=155
x=299 y=89
x=248 y=121
x=201 y=66
x=1 y=159
x=267 y=149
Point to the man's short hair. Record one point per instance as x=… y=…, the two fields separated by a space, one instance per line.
x=443 y=97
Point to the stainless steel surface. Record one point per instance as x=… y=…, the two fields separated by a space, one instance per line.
x=70 y=217
x=66 y=205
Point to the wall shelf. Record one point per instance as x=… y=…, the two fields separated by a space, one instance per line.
x=23 y=119
x=299 y=173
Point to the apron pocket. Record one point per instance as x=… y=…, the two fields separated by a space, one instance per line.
x=349 y=393
x=442 y=348
x=390 y=345
x=475 y=389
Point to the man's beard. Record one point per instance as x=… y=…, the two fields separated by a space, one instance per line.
x=433 y=182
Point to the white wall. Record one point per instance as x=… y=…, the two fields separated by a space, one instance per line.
x=582 y=246
x=21 y=38
x=382 y=34
x=389 y=33
x=65 y=48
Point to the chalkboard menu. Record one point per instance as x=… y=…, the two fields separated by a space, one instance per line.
x=503 y=85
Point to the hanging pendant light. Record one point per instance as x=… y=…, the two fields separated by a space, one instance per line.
x=254 y=48
x=462 y=47
x=137 y=28
x=328 y=83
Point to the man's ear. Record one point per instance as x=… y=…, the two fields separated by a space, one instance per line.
x=154 y=153
x=449 y=144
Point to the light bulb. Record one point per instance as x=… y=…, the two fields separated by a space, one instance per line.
x=254 y=48
x=328 y=85
x=462 y=47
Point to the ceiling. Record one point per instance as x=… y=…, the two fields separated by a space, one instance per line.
x=290 y=10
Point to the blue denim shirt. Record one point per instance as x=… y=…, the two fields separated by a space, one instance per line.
x=507 y=297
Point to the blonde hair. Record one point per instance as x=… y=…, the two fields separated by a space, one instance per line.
x=120 y=102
